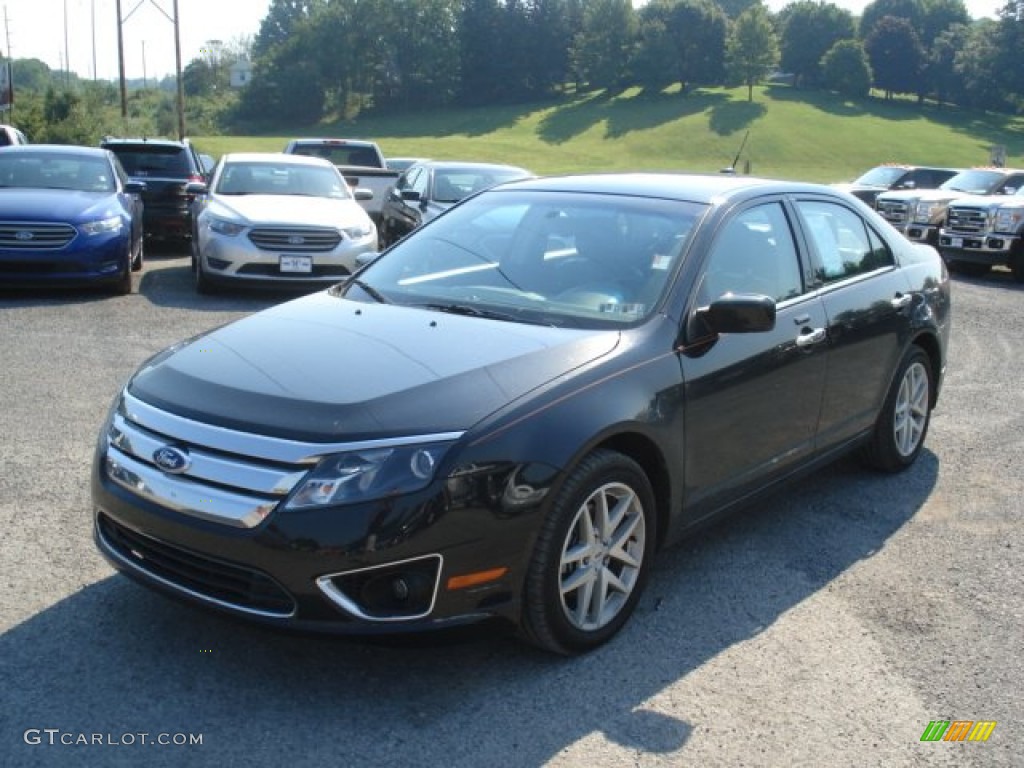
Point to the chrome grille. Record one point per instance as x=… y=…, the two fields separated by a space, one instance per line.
x=215 y=483
x=893 y=212
x=294 y=239
x=35 y=236
x=969 y=221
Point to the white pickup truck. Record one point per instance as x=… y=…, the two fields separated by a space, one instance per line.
x=360 y=162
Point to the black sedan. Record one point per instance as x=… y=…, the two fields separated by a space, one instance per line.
x=427 y=189
x=508 y=413
x=68 y=216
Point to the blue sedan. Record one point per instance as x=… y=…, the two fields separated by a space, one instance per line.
x=68 y=215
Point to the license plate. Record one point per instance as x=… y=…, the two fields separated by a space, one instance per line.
x=956 y=242
x=302 y=264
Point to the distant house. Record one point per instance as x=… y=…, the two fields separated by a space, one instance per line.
x=241 y=73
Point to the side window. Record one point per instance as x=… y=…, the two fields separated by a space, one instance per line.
x=419 y=182
x=753 y=253
x=845 y=245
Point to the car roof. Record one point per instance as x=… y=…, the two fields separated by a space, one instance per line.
x=692 y=187
x=58 y=149
x=448 y=165
x=110 y=141
x=278 y=158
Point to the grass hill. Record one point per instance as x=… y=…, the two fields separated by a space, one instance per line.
x=793 y=134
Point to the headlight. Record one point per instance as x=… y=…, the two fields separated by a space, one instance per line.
x=113 y=224
x=346 y=478
x=359 y=231
x=1008 y=219
x=225 y=227
x=925 y=211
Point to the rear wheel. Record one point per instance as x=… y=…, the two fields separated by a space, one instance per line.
x=903 y=424
x=591 y=559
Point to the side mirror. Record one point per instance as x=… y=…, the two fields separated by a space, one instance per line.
x=739 y=313
x=366 y=258
x=411 y=195
x=362 y=193
x=196 y=188
x=135 y=187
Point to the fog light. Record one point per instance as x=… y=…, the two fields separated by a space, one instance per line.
x=400 y=589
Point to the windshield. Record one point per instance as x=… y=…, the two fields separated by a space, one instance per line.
x=883 y=176
x=39 y=170
x=976 y=182
x=246 y=178
x=553 y=258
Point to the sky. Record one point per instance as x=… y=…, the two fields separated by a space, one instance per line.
x=35 y=29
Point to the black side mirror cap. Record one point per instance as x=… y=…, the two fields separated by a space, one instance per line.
x=739 y=313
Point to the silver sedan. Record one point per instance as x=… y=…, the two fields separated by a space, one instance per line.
x=275 y=219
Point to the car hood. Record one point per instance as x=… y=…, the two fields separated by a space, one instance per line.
x=990 y=202
x=324 y=368
x=55 y=205
x=288 y=210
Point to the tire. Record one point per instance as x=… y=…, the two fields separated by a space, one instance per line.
x=199 y=279
x=1017 y=266
x=903 y=423
x=123 y=286
x=968 y=268
x=571 y=558
x=139 y=258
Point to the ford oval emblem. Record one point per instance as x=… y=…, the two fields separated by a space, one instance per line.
x=171 y=459
x=296 y=239
x=23 y=234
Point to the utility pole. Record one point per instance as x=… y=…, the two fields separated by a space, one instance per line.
x=181 y=87
x=120 y=63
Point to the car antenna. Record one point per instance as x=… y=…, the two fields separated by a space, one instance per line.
x=732 y=167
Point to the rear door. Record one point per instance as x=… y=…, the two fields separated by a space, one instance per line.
x=867 y=300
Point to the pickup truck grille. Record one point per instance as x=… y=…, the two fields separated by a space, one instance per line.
x=968 y=221
x=35 y=236
x=895 y=212
x=294 y=239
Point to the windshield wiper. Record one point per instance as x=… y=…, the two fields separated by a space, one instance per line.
x=471 y=311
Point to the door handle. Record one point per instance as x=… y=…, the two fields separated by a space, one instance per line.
x=902 y=300
x=810 y=338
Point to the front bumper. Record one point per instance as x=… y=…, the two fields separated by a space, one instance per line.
x=978 y=249
x=381 y=567
x=92 y=259
x=922 y=233
x=237 y=259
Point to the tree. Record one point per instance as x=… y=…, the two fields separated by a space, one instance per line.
x=941 y=72
x=979 y=65
x=896 y=56
x=809 y=29
x=752 y=51
x=845 y=69
x=601 y=50
x=911 y=10
x=699 y=29
x=283 y=16
x=655 y=59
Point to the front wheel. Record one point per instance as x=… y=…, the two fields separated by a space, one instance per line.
x=903 y=423
x=199 y=279
x=591 y=559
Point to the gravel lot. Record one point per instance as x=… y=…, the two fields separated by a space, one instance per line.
x=826 y=627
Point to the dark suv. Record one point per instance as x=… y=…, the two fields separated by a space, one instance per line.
x=166 y=167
